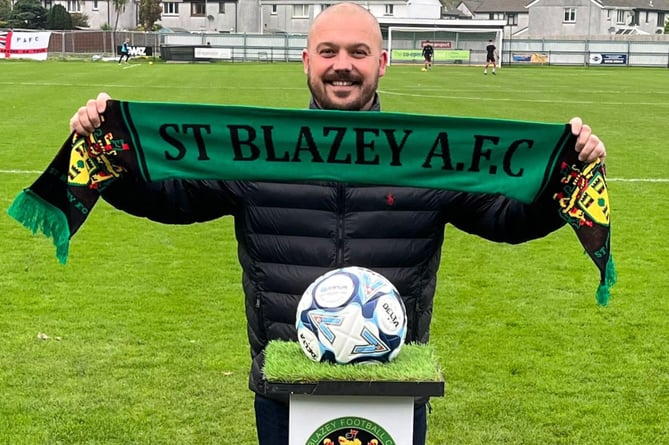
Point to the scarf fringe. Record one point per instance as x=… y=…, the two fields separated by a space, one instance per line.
x=38 y=215
x=610 y=278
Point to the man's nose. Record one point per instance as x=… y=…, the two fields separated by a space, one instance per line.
x=342 y=62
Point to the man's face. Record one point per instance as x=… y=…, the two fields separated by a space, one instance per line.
x=344 y=61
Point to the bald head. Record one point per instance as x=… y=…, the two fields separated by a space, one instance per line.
x=342 y=16
x=344 y=58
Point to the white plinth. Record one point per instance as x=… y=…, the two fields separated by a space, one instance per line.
x=316 y=419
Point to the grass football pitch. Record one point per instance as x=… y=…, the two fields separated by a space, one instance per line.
x=141 y=337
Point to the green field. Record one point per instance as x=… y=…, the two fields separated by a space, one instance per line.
x=143 y=337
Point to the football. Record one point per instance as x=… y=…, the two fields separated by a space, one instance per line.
x=351 y=315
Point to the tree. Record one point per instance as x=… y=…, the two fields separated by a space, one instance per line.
x=119 y=6
x=27 y=14
x=79 y=20
x=5 y=10
x=149 y=13
x=58 y=18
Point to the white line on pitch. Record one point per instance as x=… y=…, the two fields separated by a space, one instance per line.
x=637 y=179
x=20 y=172
x=532 y=100
x=153 y=86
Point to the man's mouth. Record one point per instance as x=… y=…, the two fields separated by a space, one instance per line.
x=342 y=83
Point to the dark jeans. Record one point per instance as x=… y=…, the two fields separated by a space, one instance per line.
x=272 y=422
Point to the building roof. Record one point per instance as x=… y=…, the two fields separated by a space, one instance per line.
x=651 y=5
x=471 y=5
x=500 y=6
x=456 y=14
x=644 y=5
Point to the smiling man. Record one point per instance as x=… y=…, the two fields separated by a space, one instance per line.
x=289 y=233
x=344 y=59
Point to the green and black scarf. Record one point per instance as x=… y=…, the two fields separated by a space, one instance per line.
x=156 y=141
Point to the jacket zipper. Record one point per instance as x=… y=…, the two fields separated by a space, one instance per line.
x=339 y=242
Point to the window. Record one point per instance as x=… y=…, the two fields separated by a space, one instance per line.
x=171 y=8
x=301 y=11
x=96 y=6
x=496 y=16
x=569 y=15
x=198 y=9
x=660 y=19
x=48 y=4
x=73 y=6
x=275 y=9
x=389 y=10
x=647 y=16
x=620 y=17
x=221 y=7
x=512 y=19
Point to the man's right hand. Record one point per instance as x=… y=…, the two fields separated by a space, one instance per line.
x=87 y=118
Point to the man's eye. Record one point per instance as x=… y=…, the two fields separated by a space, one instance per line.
x=327 y=52
x=360 y=53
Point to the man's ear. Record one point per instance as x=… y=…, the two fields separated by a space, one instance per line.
x=305 y=60
x=383 y=62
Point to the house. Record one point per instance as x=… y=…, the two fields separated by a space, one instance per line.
x=210 y=16
x=522 y=17
x=242 y=16
x=295 y=18
x=513 y=12
x=596 y=17
x=99 y=12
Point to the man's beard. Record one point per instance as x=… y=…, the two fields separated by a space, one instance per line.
x=321 y=98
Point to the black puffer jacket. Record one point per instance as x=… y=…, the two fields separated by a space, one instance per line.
x=288 y=234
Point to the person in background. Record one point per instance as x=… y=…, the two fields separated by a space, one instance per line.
x=125 y=51
x=428 y=53
x=490 y=57
x=288 y=234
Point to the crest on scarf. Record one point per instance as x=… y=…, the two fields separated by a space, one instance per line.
x=584 y=199
x=92 y=159
x=583 y=202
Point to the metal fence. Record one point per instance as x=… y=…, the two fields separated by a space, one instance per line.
x=632 y=51
x=649 y=53
x=84 y=44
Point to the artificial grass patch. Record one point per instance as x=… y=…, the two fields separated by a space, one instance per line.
x=286 y=363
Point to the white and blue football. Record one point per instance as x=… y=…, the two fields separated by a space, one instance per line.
x=351 y=315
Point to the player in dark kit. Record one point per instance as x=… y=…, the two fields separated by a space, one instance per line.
x=491 y=52
x=428 y=52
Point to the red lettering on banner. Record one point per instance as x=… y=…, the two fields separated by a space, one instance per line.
x=31 y=45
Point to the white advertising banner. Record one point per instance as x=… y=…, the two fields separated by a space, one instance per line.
x=24 y=45
x=212 y=53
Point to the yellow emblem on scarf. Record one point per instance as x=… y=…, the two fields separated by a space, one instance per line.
x=587 y=198
x=89 y=162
